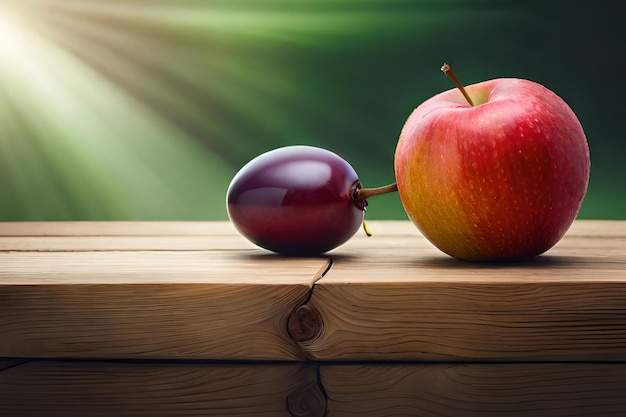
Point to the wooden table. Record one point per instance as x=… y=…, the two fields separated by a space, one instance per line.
x=188 y=318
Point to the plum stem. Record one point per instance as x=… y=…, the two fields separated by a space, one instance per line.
x=365 y=193
x=366 y=229
x=360 y=196
x=446 y=69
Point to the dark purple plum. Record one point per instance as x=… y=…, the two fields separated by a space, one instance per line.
x=296 y=200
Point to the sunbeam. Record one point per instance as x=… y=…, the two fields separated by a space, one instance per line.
x=133 y=109
x=77 y=145
x=144 y=109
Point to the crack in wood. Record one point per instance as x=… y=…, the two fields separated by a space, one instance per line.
x=305 y=322
x=6 y=364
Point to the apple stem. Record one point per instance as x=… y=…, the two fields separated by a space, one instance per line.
x=446 y=69
x=365 y=193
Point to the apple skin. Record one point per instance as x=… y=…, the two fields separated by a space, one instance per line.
x=501 y=180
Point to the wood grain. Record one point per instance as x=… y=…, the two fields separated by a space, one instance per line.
x=191 y=290
x=109 y=388
x=143 y=292
x=447 y=321
x=86 y=290
x=117 y=228
x=184 y=321
x=121 y=236
x=81 y=388
x=476 y=390
x=395 y=297
x=157 y=267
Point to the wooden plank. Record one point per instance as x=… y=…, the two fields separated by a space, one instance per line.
x=117 y=228
x=580 y=228
x=149 y=321
x=120 y=236
x=213 y=304
x=380 y=228
x=146 y=290
x=123 y=243
x=198 y=290
x=471 y=390
x=77 y=388
x=160 y=389
x=586 y=240
x=398 y=298
x=157 y=267
x=103 y=236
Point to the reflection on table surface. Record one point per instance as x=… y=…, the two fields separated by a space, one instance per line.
x=308 y=389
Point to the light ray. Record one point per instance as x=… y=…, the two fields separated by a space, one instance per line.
x=77 y=129
x=145 y=108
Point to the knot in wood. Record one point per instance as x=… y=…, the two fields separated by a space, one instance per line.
x=308 y=402
x=305 y=323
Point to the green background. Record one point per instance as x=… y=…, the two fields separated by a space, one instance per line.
x=144 y=110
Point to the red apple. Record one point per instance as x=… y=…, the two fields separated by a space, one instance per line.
x=501 y=179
